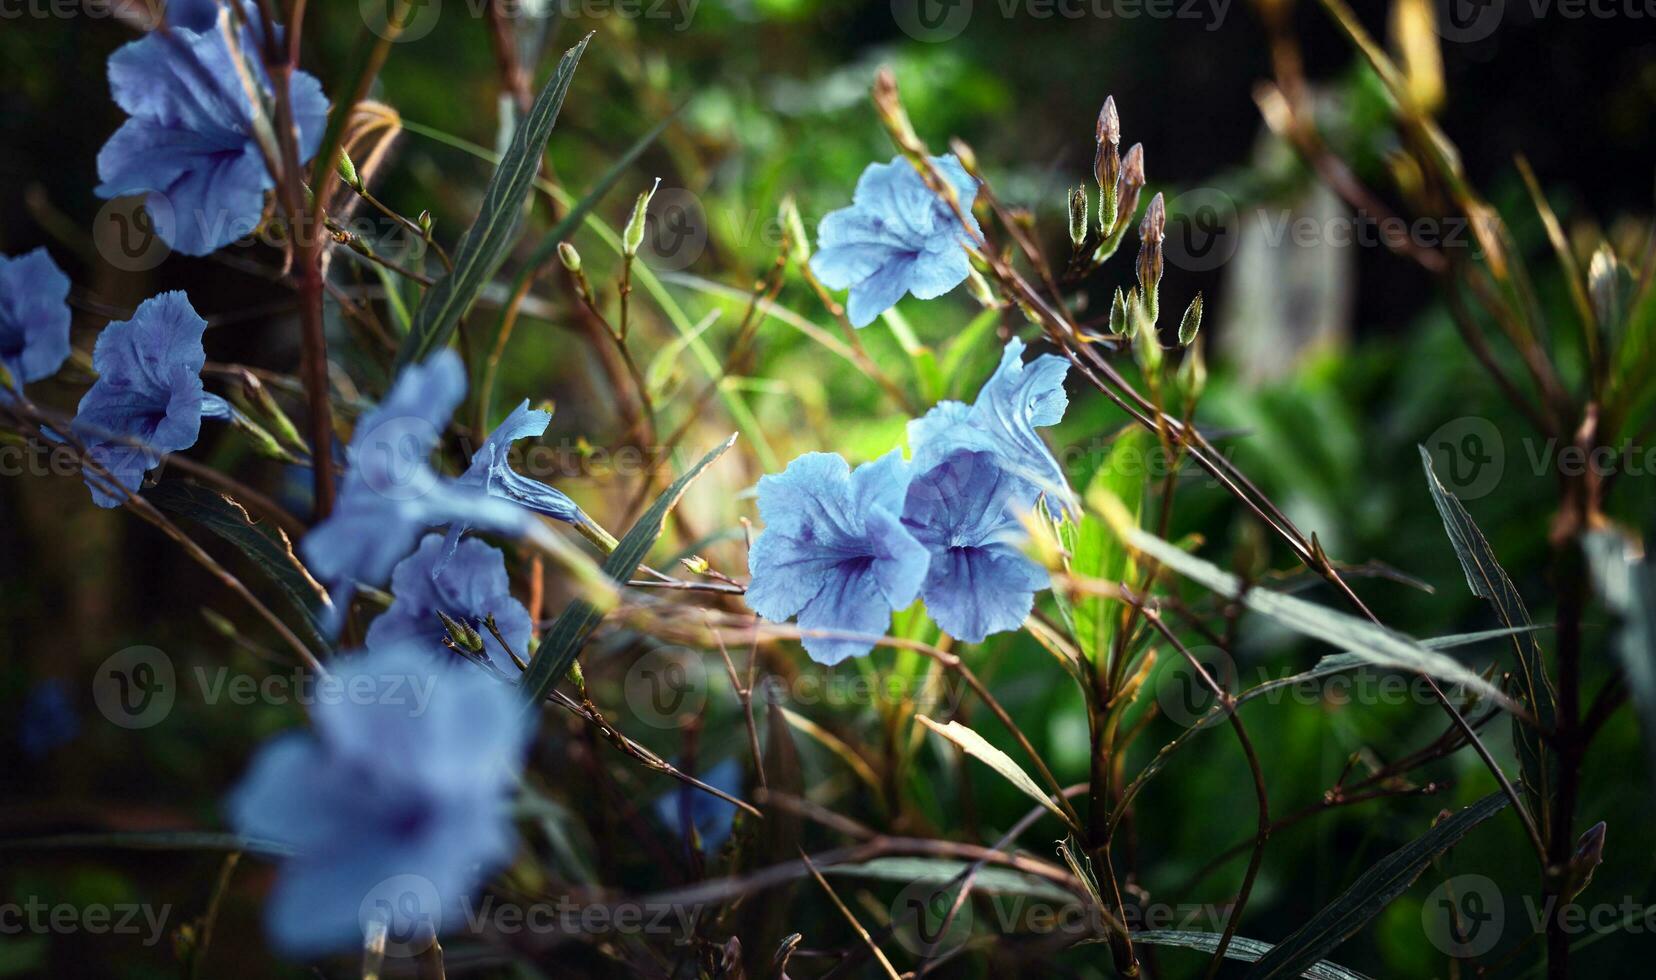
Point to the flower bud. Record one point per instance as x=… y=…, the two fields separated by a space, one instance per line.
x=1192 y=322
x=1107 y=164
x=570 y=258
x=1147 y=349
x=1078 y=215
x=1603 y=283
x=1118 y=314
x=1151 y=232
x=464 y=637
x=348 y=172
x=633 y=235
x=425 y=223
x=1132 y=181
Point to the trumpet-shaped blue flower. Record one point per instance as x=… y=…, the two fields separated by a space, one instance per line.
x=491 y=472
x=391 y=494
x=684 y=806
x=189 y=143
x=395 y=805
x=468 y=588
x=896 y=237
x=966 y=510
x=148 y=398
x=834 y=551
x=202 y=15
x=34 y=318
x=1016 y=400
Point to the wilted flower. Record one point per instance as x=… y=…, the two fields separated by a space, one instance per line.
x=684 y=806
x=896 y=237
x=1016 y=400
x=491 y=472
x=148 y=398
x=967 y=510
x=34 y=318
x=395 y=805
x=467 y=587
x=190 y=139
x=391 y=494
x=834 y=550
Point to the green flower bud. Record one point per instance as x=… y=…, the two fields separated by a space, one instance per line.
x=633 y=235
x=348 y=172
x=1192 y=321
x=1078 y=215
x=1118 y=314
x=570 y=258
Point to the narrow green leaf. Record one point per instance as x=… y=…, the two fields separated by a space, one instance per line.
x=569 y=632
x=265 y=545
x=1098 y=554
x=1241 y=948
x=485 y=244
x=1489 y=581
x=978 y=747
x=1370 y=894
x=1375 y=644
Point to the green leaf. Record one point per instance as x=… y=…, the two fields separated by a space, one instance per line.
x=1370 y=894
x=569 y=632
x=1628 y=586
x=484 y=246
x=1375 y=644
x=265 y=545
x=978 y=747
x=1489 y=581
x=1241 y=948
x=1098 y=554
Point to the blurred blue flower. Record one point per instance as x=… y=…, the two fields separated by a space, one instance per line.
x=896 y=237
x=48 y=718
x=684 y=806
x=148 y=398
x=834 y=550
x=966 y=510
x=1014 y=401
x=34 y=318
x=467 y=587
x=391 y=494
x=189 y=144
x=396 y=804
x=491 y=472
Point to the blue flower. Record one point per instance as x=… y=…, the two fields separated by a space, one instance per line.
x=189 y=144
x=1016 y=400
x=469 y=588
x=491 y=472
x=391 y=494
x=685 y=806
x=966 y=510
x=896 y=237
x=834 y=550
x=48 y=719
x=148 y=398
x=34 y=318
x=397 y=803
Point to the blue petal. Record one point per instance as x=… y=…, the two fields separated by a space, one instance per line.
x=710 y=815
x=470 y=586
x=880 y=291
x=975 y=592
x=34 y=316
